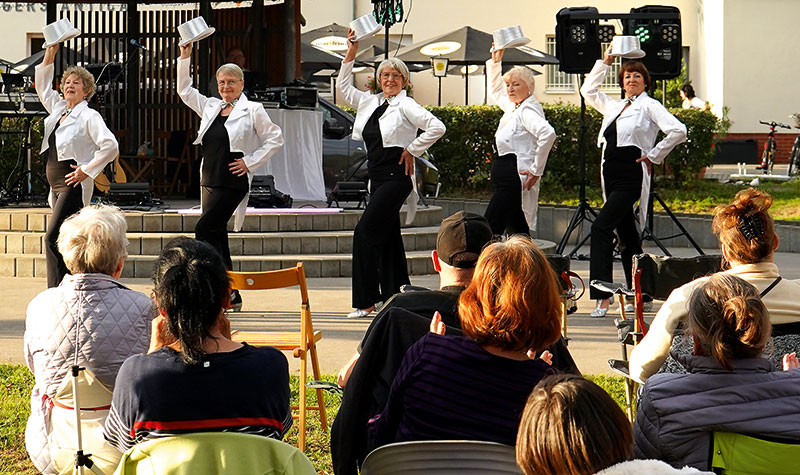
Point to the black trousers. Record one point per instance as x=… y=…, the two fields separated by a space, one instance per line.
x=218 y=207
x=67 y=203
x=379 y=258
x=623 y=184
x=504 y=211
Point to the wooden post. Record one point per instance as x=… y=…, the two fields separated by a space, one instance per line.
x=132 y=83
x=204 y=49
x=290 y=39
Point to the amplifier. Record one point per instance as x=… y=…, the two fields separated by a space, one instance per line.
x=289 y=97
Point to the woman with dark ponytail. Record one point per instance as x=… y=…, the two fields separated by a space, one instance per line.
x=194 y=377
x=729 y=386
x=748 y=242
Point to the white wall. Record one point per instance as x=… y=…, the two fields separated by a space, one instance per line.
x=428 y=19
x=760 y=63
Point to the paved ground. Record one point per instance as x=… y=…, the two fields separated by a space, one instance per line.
x=593 y=341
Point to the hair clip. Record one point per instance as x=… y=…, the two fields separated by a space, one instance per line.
x=752 y=227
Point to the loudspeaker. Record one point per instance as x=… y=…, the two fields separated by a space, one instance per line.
x=130 y=194
x=577 y=44
x=660 y=39
x=263 y=194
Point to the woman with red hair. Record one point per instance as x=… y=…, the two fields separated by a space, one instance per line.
x=510 y=312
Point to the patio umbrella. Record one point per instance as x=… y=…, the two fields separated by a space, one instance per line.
x=468 y=46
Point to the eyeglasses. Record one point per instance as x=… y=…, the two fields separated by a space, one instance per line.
x=230 y=82
x=395 y=76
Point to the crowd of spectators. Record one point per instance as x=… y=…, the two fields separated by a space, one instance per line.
x=480 y=358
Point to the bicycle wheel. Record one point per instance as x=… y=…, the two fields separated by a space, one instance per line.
x=794 y=158
x=768 y=157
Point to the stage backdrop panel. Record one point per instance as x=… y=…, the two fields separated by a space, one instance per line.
x=297 y=167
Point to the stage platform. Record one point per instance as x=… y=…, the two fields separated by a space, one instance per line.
x=320 y=237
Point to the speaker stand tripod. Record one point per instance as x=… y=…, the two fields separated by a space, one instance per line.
x=647 y=229
x=584 y=211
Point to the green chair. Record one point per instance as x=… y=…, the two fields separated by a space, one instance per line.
x=742 y=454
x=214 y=453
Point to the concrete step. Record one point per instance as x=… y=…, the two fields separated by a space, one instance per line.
x=35 y=219
x=317 y=265
x=242 y=243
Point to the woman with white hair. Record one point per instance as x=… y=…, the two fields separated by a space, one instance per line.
x=236 y=137
x=91 y=320
x=78 y=145
x=388 y=124
x=524 y=139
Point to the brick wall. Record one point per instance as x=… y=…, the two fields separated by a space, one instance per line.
x=784 y=143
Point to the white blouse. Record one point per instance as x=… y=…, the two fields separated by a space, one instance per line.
x=523 y=129
x=694 y=102
x=83 y=136
x=638 y=125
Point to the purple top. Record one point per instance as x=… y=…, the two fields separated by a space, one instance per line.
x=448 y=387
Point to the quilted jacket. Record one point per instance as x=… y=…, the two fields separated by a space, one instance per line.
x=677 y=412
x=91 y=319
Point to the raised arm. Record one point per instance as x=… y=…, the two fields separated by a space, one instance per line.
x=590 y=89
x=352 y=96
x=189 y=95
x=44 y=80
x=497 y=88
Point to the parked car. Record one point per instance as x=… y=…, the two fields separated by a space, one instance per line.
x=344 y=159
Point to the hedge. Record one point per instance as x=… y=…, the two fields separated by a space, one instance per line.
x=464 y=154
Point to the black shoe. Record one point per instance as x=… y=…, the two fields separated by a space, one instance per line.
x=236 y=301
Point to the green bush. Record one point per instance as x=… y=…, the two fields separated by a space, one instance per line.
x=464 y=154
x=12 y=163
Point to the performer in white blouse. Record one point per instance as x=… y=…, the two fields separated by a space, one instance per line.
x=627 y=135
x=524 y=139
x=79 y=146
x=236 y=136
x=388 y=123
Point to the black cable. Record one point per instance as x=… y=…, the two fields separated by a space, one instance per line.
x=403 y=29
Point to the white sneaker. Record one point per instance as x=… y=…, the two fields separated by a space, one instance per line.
x=646 y=306
x=358 y=313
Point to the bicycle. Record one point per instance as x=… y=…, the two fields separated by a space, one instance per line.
x=794 y=157
x=770 y=149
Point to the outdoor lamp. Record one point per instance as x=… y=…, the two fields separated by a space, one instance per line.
x=439 y=66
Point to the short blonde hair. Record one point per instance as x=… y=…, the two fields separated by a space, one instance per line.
x=93 y=240
x=396 y=64
x=231 y=68
x=526 y=75
x=86 y=78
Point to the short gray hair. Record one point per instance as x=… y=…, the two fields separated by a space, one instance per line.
x=231 y=68
x=396 y=64
x=524 y=74
x=93 y=240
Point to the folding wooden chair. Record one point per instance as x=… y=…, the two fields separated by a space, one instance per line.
x=440 y=457
x=655 y=277
x=300 y=343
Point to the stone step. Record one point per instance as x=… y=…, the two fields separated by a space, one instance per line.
x=35 y=219
x=242 y=243
x=316 y=265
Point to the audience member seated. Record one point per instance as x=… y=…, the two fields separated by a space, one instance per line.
x=460 y=239
x=748 y=242
x=729 y=387
x=475 y=386
x=194 y=377
x=91 y=320
x=572 y=426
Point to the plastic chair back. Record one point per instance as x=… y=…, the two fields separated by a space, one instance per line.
x=438 y=457
x=740 y=454
x=217 y=453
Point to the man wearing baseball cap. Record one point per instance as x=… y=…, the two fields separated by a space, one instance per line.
x=404 y=319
